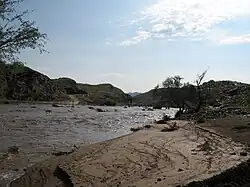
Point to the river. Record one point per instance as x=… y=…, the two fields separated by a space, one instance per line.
x=39 y=130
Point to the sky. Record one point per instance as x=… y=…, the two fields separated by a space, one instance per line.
x=136 y=44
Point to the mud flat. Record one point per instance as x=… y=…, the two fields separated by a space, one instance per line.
x=148 y=157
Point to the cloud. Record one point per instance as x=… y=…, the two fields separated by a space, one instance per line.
x=186 y=18
x=236 y=40
x=140 y=36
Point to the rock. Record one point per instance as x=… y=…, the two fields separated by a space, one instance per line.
x=178 y=114
x=147 y=126
x=100 y=110
x=243 y=153
x=150 y=109
x=179 y=170
x=161 y=121
x=134 y=129
x=13 y=150
x=125 y=107
x=166 y=118
x=48 y=111
x=170 y=128
x=159 y=179
x=55 y=105
x=60 y=153
x=116 y=110
x=91 y=108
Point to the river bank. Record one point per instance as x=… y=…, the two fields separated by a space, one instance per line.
x=148 y=157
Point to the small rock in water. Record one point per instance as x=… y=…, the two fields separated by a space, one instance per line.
x=55 y=105
x=148 y=126
x=90 y=107
x=48 y=111
x=243 y=153
x=13 y=149
x=100 y=110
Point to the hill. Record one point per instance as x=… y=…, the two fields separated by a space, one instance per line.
x=103 y=94
x=214 y=93
x=18 y=82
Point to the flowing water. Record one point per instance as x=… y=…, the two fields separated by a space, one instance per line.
x=39 y=130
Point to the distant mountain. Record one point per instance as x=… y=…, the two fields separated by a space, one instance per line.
x=133 y=94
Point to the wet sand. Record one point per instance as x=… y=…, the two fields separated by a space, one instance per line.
x=145 y=158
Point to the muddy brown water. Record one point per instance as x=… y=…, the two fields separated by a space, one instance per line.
x=39 y=130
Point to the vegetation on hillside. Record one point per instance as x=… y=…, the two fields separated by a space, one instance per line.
x=18 y=82
x=215 y=98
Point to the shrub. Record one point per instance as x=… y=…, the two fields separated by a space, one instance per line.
x=201 y=120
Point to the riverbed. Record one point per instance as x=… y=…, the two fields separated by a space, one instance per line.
x=40 y=130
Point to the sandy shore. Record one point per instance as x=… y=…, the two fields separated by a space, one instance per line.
x=148 y=157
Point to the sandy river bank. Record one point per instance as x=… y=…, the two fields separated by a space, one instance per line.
x=145 y=158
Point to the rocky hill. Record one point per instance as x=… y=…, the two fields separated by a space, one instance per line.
x=103 y=94
x=69 y=86
x=214 y=93
x=226 y=93
x=18 y=82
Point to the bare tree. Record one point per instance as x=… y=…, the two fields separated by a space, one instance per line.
x=198 y=81
x=17 y=33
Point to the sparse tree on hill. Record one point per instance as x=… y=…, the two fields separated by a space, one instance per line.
x=180 y=92
x=173 y=82
x=16 y=32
